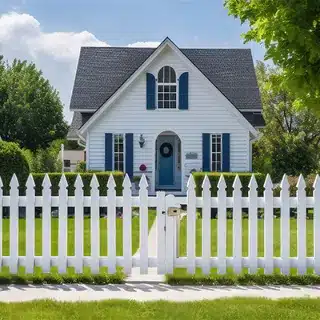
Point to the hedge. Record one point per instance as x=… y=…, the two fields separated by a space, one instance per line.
x=229 y=178
x=103 y=178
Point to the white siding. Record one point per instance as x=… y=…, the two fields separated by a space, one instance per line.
x=207 y=114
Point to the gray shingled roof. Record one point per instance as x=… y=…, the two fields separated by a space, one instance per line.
x=101 y=71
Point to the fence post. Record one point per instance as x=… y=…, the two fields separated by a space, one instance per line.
x=161 y=233
x=78 y=224
x=222 y=226
x=301 y=225
x=95 y=225
x=144 y=230
x=63 y=230
x=253 y=225
x=30 y=228
x=237 y=225
x=112 y=250
x=14 y=224
x=1 y=217
x=46 y=224
x=285 y=225
x=127 y=224
x=316 y=224
x=191 y=225
x=206 y=225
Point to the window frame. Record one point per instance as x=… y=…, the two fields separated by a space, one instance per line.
x=170 y=84
x=123 y=151
x=216 y=152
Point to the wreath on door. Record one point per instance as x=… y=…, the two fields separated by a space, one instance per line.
x=166 y=150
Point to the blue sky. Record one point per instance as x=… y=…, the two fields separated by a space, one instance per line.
x=40 y=30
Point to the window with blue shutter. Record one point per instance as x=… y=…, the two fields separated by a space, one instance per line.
x=108 y=166
x=184 y=91
x=151 y=91
x=226 y=152
x=206 y=157
x=129 y=154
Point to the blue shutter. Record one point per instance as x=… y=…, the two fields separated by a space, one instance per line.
x=129 y=154
x=206 y=152
x=151 y=91
x=108 y=165
x=226 y=152
x=184 y=91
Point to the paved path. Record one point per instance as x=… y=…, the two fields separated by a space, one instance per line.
x=148 y=292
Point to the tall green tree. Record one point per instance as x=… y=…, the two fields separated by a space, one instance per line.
x=31 y=112
x=291 y=138
x=290 y=32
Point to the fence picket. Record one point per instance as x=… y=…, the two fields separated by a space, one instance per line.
x=285 y=226
x=161 y=239
x=14 y=224
x=191 y=225
x=316 y=224
x=78 y=224
x=112 y=250
x=143 y=212
x=268 y=226
x=30 y=228
x=46 y=224
x=127 y=225
x=95 y=225
x=301 y=225
x=222 y=226
x=237 y=226
x=206 y=225
x=63 y=229
x=253 y=225
x=1 y=217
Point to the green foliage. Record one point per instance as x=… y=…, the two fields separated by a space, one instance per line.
x=31 y=112
x=291 y=137
x=12 y=160
x=102 y=177
x=81 y=167
x=229 y=178
x=290 y=32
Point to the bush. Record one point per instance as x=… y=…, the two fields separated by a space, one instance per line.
x=103 y=178
x=12 y=160
x=81 y=167
x=229 y=178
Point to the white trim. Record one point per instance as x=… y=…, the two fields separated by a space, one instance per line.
x=167 y=42
x=87 y=151
x=251 y=110
x=83 y=110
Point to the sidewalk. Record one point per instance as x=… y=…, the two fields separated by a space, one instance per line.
x=148 y=292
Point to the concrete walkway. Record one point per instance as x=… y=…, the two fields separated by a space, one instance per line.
x=148 y=292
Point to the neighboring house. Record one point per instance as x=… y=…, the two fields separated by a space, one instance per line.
x=167 y=111
x=71 y=158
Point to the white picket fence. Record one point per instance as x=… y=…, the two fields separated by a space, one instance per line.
x=167 y=227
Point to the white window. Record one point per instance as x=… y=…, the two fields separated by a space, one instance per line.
x=167 y=88
x=118 y=152
x=216 y=152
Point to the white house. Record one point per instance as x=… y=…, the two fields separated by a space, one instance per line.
x=166 y=112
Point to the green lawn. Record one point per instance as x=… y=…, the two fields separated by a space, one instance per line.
x=237 y=308
x=276 y=238
x=71 y=236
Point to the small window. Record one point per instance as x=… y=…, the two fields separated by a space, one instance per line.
x=167 y=88
x=216 y=153
x=66 y=163
x=118 y=152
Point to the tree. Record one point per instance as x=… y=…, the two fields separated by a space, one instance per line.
x=291 y=138
x=31 y=112
x=290 y=32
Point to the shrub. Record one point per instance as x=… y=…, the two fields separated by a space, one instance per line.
x=12 y=160
x=229 y=178
x=102 y=177
x=81 y=167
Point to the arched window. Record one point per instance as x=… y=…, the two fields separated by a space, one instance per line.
x=167 y=88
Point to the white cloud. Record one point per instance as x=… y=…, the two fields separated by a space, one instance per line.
x=146 y=44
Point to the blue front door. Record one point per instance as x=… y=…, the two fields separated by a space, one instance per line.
x=166 y=154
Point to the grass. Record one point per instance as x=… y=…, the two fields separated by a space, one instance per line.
x=180 y=274
x=236 y=308
x=54 y=277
